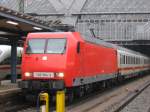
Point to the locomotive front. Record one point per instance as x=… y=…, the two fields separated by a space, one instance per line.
x=44 y=61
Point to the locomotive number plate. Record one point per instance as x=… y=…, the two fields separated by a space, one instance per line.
x=43 y=75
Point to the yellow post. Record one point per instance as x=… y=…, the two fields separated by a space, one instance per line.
x=60 y=101
x=44 y=102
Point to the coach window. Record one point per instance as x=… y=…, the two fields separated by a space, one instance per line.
x=0 y=52
x=120 y=58
x=123 y=59
x=5 y=61
x=126 y=59
x=129 y=59
x=135 y=60
x=139 y=60
x=142 y=61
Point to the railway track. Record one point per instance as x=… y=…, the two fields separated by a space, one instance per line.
x=12 y=100
x=131 y=96
x=99 y=100
x=112 y=100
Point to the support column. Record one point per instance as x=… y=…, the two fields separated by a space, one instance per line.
x=13 y=60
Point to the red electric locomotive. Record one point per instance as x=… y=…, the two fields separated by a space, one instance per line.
x=59 y=60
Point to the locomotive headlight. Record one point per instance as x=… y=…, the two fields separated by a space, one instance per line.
x=61 y=75
x=28 y=74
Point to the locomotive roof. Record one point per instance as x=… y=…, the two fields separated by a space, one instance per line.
x=110 y=45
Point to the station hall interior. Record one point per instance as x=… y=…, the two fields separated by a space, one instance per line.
x=124 y=23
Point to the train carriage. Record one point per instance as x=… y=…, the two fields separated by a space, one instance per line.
x=5 y=58
x=131 y=63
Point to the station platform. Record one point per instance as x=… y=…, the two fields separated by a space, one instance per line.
x=6 y=86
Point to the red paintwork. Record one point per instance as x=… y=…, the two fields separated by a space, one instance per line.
x=92 y=60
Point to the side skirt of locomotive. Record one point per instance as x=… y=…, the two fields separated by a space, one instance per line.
x=84 y=87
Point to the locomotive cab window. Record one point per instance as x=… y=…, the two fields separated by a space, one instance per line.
x=50 y=45
x=36 y=46
x=56 y=46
